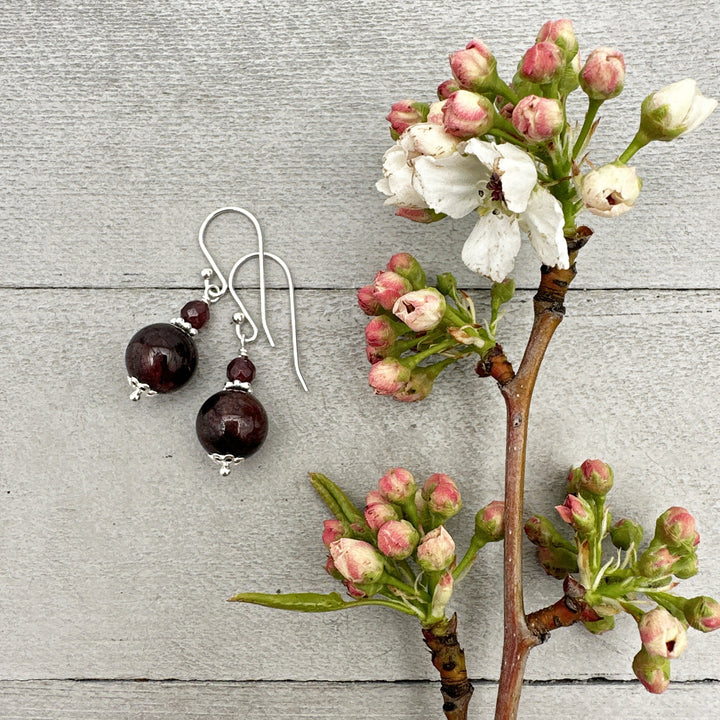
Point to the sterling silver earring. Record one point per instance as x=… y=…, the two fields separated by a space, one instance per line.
x=232 y=424
x=162 y=357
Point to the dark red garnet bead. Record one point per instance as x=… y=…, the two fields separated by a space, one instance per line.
x=232 y=422
x=196 y=312
x=161 y=356
x=242 y=369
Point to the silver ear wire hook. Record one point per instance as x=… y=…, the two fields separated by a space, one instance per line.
x=212 y=292
x=246 y=316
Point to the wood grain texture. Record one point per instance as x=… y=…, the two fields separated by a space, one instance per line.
x=125 y=125
x=305 y=701
x=122 y=125
x=121 y=542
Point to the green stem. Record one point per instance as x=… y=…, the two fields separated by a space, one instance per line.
x=402 y=607
x=388 y=579
x=476 y=544
x=593 y=107
x=502 y=88
x=413 y=361
x=638 y=142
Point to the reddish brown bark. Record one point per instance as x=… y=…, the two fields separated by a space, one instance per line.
x=519 y=637
x=449 y=659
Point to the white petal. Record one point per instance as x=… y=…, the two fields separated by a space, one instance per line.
x=450 y=185
x=485 y=152
x=492 y=246
x=699 y=111
x=543 y=221
x=428 y=139
x=397 y=182
x=518 y=176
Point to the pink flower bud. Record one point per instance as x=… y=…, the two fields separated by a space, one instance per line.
x=662 y=634
x=593 y=477
x=405 y=113
x=441 y=595
x=357 y=561
x=380 y=333
x=603 y=74
x=610 y=190
x=703 y=613
x=354 y=591
x=333 y=530
x=421 y=310
x=442 y=495
x=331 y=570
x=447 y=88
x=652 y=671
x=490 y=521
x=475 y=67
x=388 y=376
x=542 y=532
x=367 y=301
x=407 y=266
x=576 y=512
x=419 y=215
x=390 y=286
x=377 y=514
x=657 y=562
x=435 y=113
x=560 y=32
x=398 y=485
x=375 y=355
x=375 y=496
x=467 y=114
x=418 y=387
x=397 y=539
x=542 y=63
x=537 y=118
x=436 y=551
x=557 y=562
x=676 y=528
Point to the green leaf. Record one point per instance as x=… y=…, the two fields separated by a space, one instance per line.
x=338 y=502
x=447 y=285
x=500 y=293
x=300 y=602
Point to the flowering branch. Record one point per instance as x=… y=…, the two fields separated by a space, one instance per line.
x=507 y=154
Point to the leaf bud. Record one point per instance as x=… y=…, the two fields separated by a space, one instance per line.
x=626 y=533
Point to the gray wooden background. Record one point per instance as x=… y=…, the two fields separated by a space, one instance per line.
x=123 y=124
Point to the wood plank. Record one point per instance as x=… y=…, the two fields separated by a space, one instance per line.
x=124 y=126
x=47 y=700
x=121 y=543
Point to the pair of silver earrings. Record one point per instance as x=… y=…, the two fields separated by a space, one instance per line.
x=231 y=424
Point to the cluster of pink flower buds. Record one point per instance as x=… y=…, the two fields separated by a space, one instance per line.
x=405 y=312
x=615 y=584
x=399 y=545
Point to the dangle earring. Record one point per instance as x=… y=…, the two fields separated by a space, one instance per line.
x=162 y=357
x=232 y=424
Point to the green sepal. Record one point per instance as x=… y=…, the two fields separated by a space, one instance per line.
x=447 y=285
x=336 y=500
x=299 y=602
x=500 y=293
x=598 y=627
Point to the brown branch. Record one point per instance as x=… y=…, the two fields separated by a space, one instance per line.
x=496 y=365
x=519 y=638
x=449 y=659
x=571 y=608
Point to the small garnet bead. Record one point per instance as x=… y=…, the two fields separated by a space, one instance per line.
x=242 y=369
x=196 y=313
x=232 y=422
x=161 y=356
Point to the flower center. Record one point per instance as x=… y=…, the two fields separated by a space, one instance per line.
x=495 y=189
